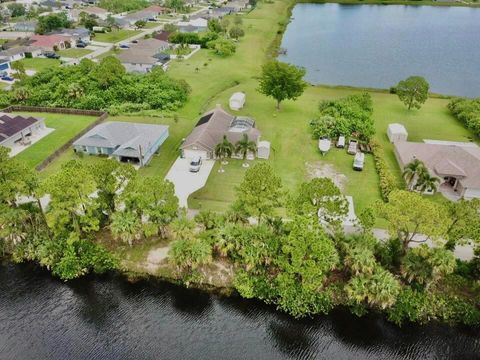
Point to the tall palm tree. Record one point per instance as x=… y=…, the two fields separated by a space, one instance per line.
x=427 y=182
x=412 y=171
x=223 y=150
x=245 y=146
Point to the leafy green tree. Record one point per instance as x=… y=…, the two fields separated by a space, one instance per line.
x=177 y=5
x=320 y=197
x=464 y=222
x=109 y=71
x=126 y=226
x=52 y=22
x=236 y=32
x=426 y=266
x=367 y=219
x=259 y=193
x=222 y=47
x=413 y=92
x=19 y=68
x=140 y=24
x=412 y=218
x=153 y=198
x=88 y=20
x=72 y=207
x=214 y=25
x=306 y=258
x=244 y=147
x=379 y=289
x=16 y=10
x=111 y=178
x=208 y=219
x=282 y=81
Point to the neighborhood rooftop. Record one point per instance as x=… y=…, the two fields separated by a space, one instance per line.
x=11 y=124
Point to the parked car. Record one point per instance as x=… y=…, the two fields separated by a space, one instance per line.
x=52 y=55
x=341 y=142
x=358 y=161
x=7 y=78
x=124 y=46
x=81 y=45
x=352 y=147
x=195 y=164
x=134 y=41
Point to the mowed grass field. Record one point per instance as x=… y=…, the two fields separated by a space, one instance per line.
x=66 y=127
x=115 y=36
x=39 y=64
x=74 y=52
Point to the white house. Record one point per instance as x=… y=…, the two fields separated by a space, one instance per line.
x=18 y=129
x=237 y=101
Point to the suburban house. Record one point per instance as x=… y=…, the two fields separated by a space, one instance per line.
x=455 y=164
x=26 y=26
x=211 y=128
x=126 y=142
x=144 y=55
x=100 y=13
x=193 y=25
x=148 y=14
x=51 y=42
x=17 y=129
x=162 y=35
x=20 y=52
x=75 y=35
x=217 y=13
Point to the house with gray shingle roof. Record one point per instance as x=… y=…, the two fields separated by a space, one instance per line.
x=126 y=142
x=211 y=128
x=455 y=164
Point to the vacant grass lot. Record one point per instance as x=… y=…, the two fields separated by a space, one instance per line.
x=39 y=64
x=115 y=36
x=74 y=52
x=66 y=127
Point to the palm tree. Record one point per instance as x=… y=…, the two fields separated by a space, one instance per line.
x=427 y=182
x=126 y=226
x=245 y=146
x=412 y=171
x=75 y=91
x=223 y=150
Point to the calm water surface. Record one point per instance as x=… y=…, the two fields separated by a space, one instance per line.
x=108 y=318
x=377 y=46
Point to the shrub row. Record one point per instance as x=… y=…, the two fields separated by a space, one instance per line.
x=388 y=182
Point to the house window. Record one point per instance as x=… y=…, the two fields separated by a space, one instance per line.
x=99 y=150
x=84 y=148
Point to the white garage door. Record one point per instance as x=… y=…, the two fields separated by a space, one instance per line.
x=472 y=194
x=190 y=154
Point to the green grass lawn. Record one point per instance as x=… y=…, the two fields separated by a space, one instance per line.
x=74 y=52
x=115 y=36
x=39 y=64
x=66 y=127
x=152 y=24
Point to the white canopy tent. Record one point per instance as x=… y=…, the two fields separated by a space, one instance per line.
x=397 y=132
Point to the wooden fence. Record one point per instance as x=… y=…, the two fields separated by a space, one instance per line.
x=101 y=116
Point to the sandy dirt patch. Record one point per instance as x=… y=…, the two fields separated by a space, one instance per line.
x=321 y=169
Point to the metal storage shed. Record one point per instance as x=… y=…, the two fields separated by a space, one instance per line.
x=397 y=132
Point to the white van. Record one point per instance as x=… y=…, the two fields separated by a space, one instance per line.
x=195 y=164
x=358 y=161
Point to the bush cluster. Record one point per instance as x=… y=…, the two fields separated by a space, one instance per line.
x=388 y=182
x=467 y=111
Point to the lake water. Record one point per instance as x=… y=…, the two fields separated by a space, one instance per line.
x=377 y=46
x=109 y=318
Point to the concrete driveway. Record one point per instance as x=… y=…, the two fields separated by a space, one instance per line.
x=186 y=182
